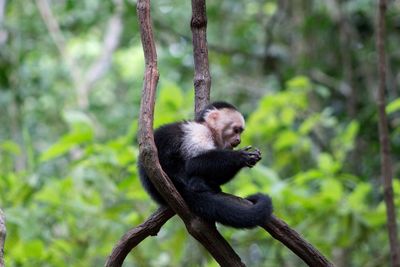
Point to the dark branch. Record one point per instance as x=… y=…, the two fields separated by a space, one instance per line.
x=205 y=233
x=386 y=164
x=291 y=239
x=110 y=43
x=276 y=227
x=2 y=237
x=202 y=78
x=136 y=235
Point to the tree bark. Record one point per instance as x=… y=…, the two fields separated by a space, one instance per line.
x=136 y=235
x=386 y=164
x=276 y=227
x=2 y=237
x=205 y=233
x=291 y=239
x=202 y=78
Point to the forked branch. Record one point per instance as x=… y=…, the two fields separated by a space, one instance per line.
x=136 y=235
x=203 y=232
x=277 y=228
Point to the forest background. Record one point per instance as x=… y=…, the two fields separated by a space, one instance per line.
x=303 y=72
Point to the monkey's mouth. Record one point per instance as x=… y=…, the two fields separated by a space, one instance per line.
x=231 y=146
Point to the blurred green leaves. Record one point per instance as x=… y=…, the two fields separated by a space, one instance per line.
x=81 y=131
x=68 y=178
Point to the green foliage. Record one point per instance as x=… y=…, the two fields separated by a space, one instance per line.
x=80 y=133
x=393 y=106
x=68 y=178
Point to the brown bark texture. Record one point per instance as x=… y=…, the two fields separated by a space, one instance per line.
x=202 y=78
x=386 y=164
x=292 y=240
x=277 y=228
x=133 y=237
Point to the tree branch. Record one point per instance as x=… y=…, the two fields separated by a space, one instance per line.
x=288 y=237
x=205 y=233
x=386 y=164
x=136 y=235
x=111 y=41
x=84 y=83
x=291 y=239
x=202 y=78
x=55 y=32
x=276 y=227
x=3 y=32
x=3 y=233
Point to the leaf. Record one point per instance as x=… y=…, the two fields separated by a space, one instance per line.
x=77 y=119
x=327 y=164
x=269 y=8
x=299 y=82
x=357 y=198
x=11 y=147
x=309 y=124
x=286 y=139
x=393 y=106
x=332 y=189
x=66 y=143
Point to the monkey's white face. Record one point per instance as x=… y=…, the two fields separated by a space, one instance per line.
x=227 y=126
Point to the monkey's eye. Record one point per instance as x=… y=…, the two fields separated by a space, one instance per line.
x=237 y=130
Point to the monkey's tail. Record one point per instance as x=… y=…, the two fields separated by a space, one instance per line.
x=225 y=210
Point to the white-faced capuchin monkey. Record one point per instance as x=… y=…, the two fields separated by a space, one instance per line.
x=199 y=157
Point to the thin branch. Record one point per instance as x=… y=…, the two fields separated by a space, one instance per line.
x=2 y=8
x=386 y=164
x=288 y=237
x=84 y=83
x=3 y=233
x=111 y=41
x=346 y=35
x=58 y=38
x=136 y=235
x=205 y=233
x=169 y=32
x=202 y=78
x=276 y=227
x=291 y=239
x=3 y=32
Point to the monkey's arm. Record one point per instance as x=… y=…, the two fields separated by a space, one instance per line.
x=219 y=166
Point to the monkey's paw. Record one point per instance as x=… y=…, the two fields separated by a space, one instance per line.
x=250 y=156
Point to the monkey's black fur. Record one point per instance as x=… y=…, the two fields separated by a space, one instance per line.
x=218 y=105
x=198 y=179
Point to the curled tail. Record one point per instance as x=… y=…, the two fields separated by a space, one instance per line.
x=225 y=210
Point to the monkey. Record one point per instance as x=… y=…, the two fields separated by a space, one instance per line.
x=198 y=156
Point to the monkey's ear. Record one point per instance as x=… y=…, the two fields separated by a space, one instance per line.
x=212 y=115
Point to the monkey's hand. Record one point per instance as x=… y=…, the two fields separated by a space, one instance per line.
x=250 y=156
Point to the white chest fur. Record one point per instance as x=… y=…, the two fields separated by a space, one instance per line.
x=197 y=139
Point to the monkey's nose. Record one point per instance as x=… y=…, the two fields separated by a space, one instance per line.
x=236 y=143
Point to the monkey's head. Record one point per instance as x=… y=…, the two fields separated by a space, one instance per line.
x=225 y=122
